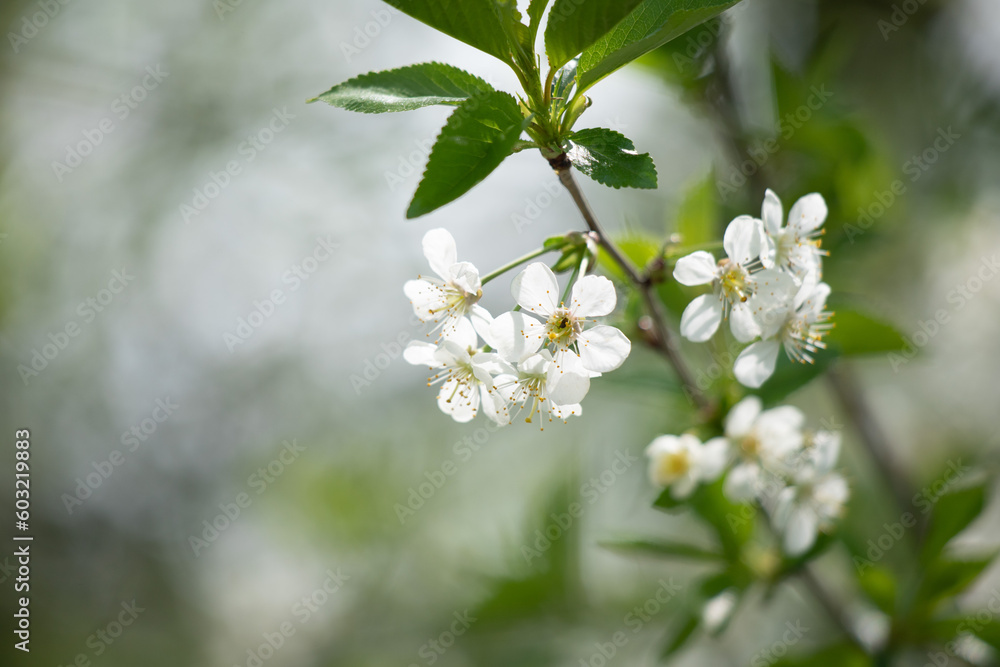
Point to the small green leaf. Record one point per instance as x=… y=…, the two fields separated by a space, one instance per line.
x=651 y=25
x=856 y=334
x=405 y=89
x=536 y=10
x=556 y=242
x=477 y=138
x=576 y=24
x=475 y=22
x=664 y=548
x=952 y=514
x=611 y=159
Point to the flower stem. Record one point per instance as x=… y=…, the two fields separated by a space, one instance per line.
x=513 y=265
x=664 y=340
x=572 y=279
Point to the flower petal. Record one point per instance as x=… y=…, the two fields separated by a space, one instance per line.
x=420 y=353
x=772 y=213
x=426 y=298
x=712 y=459
x=516 y=336
x=741 y=482
x=742 y=416
x=566 y=387
x=742 y=239
x=742 y=323
x=593 y=296
x=603 y=348
x=800 y=532
x=481 y=322
x=698 y=268
x=462 y=333
x=458 y=400
x=808 y=214
x=701 y=318
x=440 y=251
x=772 y=301
x=465 y=276
x=756 y=363
x=536 y=289
x=683 y=487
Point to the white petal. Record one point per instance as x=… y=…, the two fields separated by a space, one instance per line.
x=593 y=296
x=481 y=322
x=494 y=406
x=427 y=299
x=536 y=290
x=698 y=268
x=450 y=353
x=800 y=532
x=565 y=411
x=742 y=239
x=742 y=416
x=664 y=444
x=419 y=353
x=742 y=323
x=826 y=450
x=756 y=363
x=712 y=459
x=461 y=407
x=439 y=249
x=465 y=276
x=741 y=482
x=808 y=214
x=772 y=213
x=566 y=388
x=462 y=333
x=603 y=348
x=683 y=487
x=701 y=318
x=772 y=301
x=516 y=336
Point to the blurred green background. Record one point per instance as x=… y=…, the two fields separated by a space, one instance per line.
x=118 y=121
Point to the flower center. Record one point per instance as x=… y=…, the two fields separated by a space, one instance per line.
x=562 y=327
x=675 y=464
x=751 y=446
x=735 y=282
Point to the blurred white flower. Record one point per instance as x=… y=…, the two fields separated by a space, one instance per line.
x=791 y=315
x=815 y=499
x=516 y=335
x=764 y=441
x=465 y=374
x=796 y=247
x=734 y=280
x=456 y=291
x=682 y=462
x=717 y=611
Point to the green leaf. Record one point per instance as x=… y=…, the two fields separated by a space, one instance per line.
x=945 y=578
x=611 y=159
x=405 y=89
x=856 y=334
x=664 y=548
x=651 y=25
x=841 y=655
x=477 y=138
x=536 y=10
x=475 y=22
x=790 y=376
x=682 y=633
x=952 y=514
x=575 y=25
x=880 y=585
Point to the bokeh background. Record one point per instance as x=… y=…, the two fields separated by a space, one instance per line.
x=322 y=371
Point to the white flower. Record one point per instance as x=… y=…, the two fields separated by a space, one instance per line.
x=764 y=441
x=733 y=282
x=465 y=374
x=717 y=611
x=682 y=462
x=795 y=247
x=516 y=335
x=548 y=389
x=456 y=291
x=817 y=497
x=791 y=316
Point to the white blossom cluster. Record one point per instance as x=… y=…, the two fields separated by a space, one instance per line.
x=540 y=357
x=768 y=286
x=768 y=458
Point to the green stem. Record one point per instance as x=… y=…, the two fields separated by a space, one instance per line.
x=572 y=279
x=513 y=265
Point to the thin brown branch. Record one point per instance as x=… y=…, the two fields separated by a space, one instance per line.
x=664 y=340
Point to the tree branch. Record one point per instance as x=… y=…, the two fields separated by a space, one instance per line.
x=664 y=339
